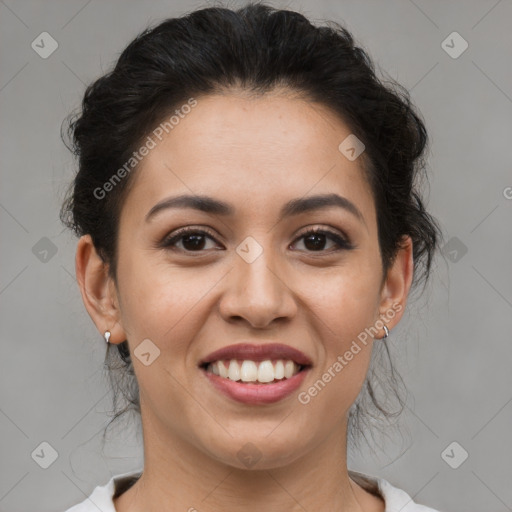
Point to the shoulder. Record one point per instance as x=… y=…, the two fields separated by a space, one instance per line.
x=396 y=500
x=102 y=497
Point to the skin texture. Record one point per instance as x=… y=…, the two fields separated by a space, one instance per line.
x=255 y=153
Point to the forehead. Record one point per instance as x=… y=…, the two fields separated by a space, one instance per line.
x=251 y=151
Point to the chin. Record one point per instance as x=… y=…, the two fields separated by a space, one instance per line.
x=259 y=452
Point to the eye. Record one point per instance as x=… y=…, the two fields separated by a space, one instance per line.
x=192 y=240
x=195 y=240
x=315 y=240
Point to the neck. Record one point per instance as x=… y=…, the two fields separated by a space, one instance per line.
x=179 y=476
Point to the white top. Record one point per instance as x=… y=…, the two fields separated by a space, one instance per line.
x=395 y=499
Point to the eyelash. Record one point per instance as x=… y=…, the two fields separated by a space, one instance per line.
x=343 y=244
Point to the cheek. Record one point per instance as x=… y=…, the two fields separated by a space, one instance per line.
x=345 y=348
x=345 y=301
x=345 y=332
x=348 y=294
x=159 y=298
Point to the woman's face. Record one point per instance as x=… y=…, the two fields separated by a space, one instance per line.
x=256 y=278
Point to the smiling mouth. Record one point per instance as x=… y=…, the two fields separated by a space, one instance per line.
x=257 y=372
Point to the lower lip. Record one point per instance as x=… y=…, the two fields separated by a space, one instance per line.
x=254 y=394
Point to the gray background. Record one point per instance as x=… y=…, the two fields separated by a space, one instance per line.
x=453 y=347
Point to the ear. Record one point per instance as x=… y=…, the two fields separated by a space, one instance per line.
x=98 y=290
x=396 y=285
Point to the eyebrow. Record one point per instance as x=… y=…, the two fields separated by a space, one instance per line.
x=294 y=207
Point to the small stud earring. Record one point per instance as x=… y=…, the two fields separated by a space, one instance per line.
x=107 y=336
x=386 y=331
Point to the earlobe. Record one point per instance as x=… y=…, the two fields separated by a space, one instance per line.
x=97 y=290
x=397 y=285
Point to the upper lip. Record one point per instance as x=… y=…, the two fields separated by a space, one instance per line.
x=257 y=353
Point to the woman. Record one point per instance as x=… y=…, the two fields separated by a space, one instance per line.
x=250 y=226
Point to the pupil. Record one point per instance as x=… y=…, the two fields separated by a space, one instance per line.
x=197 y=242
x=319 y=241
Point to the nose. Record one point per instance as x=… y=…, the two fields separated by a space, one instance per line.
x=257 y=293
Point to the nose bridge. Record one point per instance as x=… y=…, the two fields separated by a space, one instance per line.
x=256 y=270
x=260 y=276
x=256 y=290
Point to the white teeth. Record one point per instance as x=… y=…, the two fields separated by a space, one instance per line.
x=279 y=370
x=249 y=371
x=223 y=372
x=266 y=371
x=289 y=369
x=252 y=371
x=234 y=370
